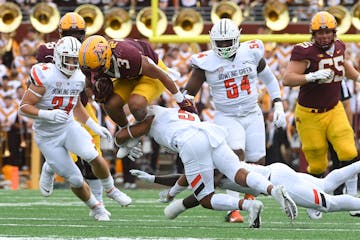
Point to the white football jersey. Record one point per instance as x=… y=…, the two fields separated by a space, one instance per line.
x=172 y=127
x=233 y=82
x=61 y=93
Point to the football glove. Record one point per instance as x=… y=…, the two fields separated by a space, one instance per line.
x=279 y=118
x=99 y=130
x=320 y=76
x=143 y=176
x=56 y=115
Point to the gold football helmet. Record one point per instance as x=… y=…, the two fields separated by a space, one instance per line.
x=322 y=20
x=95 y=54
x=72 y=24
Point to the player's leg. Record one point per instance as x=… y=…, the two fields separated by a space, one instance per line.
x=313 y=138
x=236 y=140
x=226 y=162
x=197 y=158
x=59 y=160
x=81 y=144
x=341 y=136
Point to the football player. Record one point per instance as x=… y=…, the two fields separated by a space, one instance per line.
x=319 y=67
x=306 y=191
x=53 y=100
x=232 y=70
x=139 y=76
x=202 y=148
x=71 y=24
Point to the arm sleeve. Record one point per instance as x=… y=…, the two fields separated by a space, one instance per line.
x=271 y=82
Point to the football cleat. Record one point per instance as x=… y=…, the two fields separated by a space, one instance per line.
x=314 y=214
x=99 y=213
x=254 y=216
x=174 y=209
x=46 y=182
x=91 y=213
x=118 y=196
x=234 y=216
x=354 y=213
x=285 y=201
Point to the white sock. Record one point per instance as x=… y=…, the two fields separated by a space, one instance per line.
x=96 y=188
x=257 y=182
x=232 y=193
x=246 y=204
x=107 y=183
x=92 y=202
x=351 y=185
x=224 y=202
x=176 y=189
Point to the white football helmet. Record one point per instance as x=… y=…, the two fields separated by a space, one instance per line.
x=224 y=36
x=66 y=55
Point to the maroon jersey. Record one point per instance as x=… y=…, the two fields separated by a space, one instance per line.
x=45 y=52
x=326 y=95
x=126 y=59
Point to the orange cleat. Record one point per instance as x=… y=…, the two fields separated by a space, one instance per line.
x=234 y=216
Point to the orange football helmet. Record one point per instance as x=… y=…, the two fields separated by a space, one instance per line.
x=95 y=54
x=72 y=24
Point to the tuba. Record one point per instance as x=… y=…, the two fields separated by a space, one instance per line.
x=355 y=13
x=117 y=23
x=93 y=17
x=276 y=15
x=45 y=17
x=343 y=18
x=10 y=17
x=143 y=22
x=226 y=10
x=188 y=22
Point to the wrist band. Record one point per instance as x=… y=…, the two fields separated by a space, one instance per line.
x=129 y=132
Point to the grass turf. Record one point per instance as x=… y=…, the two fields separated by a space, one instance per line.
x=25 y=214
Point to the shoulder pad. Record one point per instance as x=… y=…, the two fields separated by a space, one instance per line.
x=205 y=60
x=41 y=73
x=253 y=47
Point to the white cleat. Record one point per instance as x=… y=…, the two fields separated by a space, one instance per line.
x=91 y=213
x=286 y=202
x=174 y=209
x=46 y=182
x=254 y=212
x=164 y=196
x=99 y=213
x=354 y=213
x=120 y=197
x=314 y=214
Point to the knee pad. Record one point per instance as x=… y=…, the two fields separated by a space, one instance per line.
x=76 y=181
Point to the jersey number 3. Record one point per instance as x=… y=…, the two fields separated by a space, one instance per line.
x=232 y=89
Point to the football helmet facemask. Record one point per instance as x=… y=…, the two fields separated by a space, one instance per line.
x=323 y=22
x=66 y=53
x=224 y=36
x=72 y=24
x=95 y=54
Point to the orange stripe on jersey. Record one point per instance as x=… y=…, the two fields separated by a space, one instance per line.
x=196 y=181
x=316 y=197
x=36 y=77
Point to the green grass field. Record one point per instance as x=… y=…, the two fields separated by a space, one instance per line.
x=25 y=214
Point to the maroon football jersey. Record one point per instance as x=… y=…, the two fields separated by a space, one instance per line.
x=126 y=60
x=45 y=52
x=326 y=95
